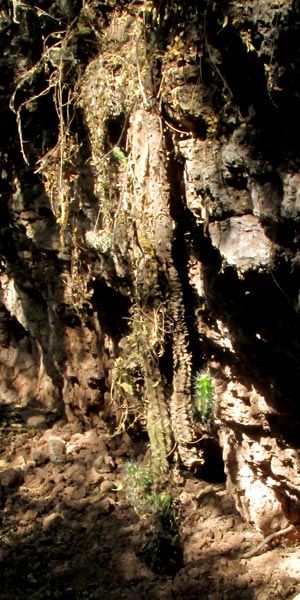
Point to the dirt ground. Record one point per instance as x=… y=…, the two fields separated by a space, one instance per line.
x=68 y=530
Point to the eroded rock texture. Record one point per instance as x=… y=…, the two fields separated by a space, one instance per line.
x=169 y=242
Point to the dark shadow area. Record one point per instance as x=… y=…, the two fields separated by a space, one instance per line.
x=261 y=76
x=206 y=574
x=200 y=591
x=116 y=131
x=65 y=535
x=10 y=328
x=285 y=89
x=212 y=469
x=112 y=309
x=180 y=250
x=11 y=416
x=8 y=415
x=59 y=540
x=259 y=311
x=265 y=327
x=64 y=556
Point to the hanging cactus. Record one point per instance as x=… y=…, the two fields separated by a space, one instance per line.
x=204 y=396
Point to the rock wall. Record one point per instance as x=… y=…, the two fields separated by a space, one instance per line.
x=171 y=231
x=243 y=235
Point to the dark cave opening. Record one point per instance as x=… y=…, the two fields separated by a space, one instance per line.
x=116 y=132
x=212 y=469
x=112 y=309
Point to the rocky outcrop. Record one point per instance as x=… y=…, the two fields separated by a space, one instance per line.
x=169 y=240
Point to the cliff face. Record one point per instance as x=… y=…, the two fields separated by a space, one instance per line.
x=154 y=232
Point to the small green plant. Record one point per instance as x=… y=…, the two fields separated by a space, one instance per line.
x=163 y=508
x=162 y=551
x=147 y=501
x=138 y=476
x=119 y=155
x=137 y=486
x=204 y=396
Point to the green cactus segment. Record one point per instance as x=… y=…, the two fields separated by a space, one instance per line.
x=204 y=396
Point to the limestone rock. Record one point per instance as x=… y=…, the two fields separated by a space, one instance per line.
x=242 y=242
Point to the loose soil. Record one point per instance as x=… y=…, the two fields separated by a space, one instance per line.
x=68 y=530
